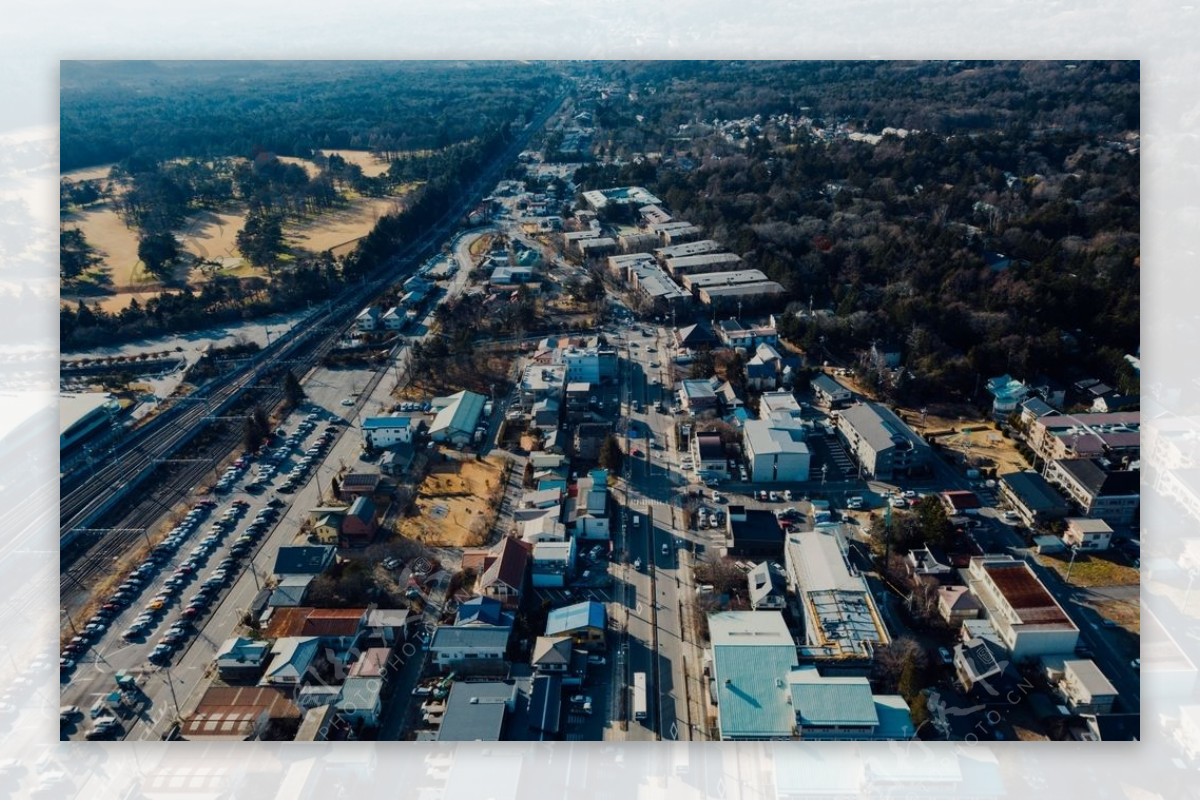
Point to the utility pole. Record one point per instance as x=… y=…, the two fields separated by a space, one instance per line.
x=1074 y=550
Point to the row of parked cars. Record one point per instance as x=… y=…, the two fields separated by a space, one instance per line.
x=300 y=471
x=133 y=585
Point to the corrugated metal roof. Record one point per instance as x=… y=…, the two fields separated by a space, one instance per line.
x=752 y=654
x=586 y=614
x=832 y=700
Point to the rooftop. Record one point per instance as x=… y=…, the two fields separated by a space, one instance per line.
x=1034 y=491
x=1090 y=677
x=475 y=710
x=831 y=700
x=879 y=426
x=1099 y=481
x=764 y=437
x=447 y=637
x=752 y=654
x=1027 y=596
x=586 y=614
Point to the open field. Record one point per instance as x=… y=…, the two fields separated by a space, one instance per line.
x=213 y=236
x=340 y=226
x=453 y=504
x=114 y=241
x=366 y=160
x=88 y=173
x=1091 y=570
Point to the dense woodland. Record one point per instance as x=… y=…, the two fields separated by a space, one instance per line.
x=1000 y=234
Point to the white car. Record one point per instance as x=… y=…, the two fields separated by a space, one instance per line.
x=581 y=699
x=347 y=402
x=773 y=496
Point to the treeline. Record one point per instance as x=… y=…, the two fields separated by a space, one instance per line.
x=111 y=111
x=220 y=300
x=974 y=255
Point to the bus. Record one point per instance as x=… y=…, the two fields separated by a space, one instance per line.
x=639 y=696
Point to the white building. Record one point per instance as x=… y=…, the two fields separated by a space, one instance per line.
x=1027 y=619
x=885 y=447
x=775 y=451
x=1087 y=534
x=385 y=432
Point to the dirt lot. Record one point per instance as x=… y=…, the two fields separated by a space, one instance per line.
x=88 y=173
x=454 y=503
x=370 y=165
x=213 y=235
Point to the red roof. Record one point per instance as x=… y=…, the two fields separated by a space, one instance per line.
x=961 y=499
x=506 y=564
x=1026 y=595
x=306 y=621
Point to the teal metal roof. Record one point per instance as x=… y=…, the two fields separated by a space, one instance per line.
x=832 y=700
x=752 y=690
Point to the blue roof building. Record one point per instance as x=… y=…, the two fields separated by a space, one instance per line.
x=583 y=622
x=753 y=653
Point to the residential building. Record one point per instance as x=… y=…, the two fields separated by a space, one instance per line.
x=241 y=713
x=1086 y=689
x=960 y=502
x=596 y=247
x=597 y=199
x=387 y=432
x=291 y=590
x=584 y=623
x=775 y=451
x=457 y=417
x=956 y=604
x=591 y=507
x=393 y=319
x=355 y=485
x=501 y=570
x=708 y=453
x=779 y=405
x=471 y=650
x=767 y=586
x=884 y=446
x=545 y=414
x=697 y=248
x=696 y=336
x=1032 y=498
x=829 y=393
x=387 y=626
x=928 y=562
x=361 y=700
x=1087 y=534
x=292 y=660
x=841 y=620
x=679 y=266
x=1027 y=619
x=1034 y=408
x=544 y=720
x=477 y=710
x=981 y=662
x=752 y=532
x=698 y=398
x=542 y=381
x=553 y=563
x=675 y=233
x=734 y=296
x=735 y=334
x=338 y=629
x=359 y=524
x=1086 y=436
x=595 y=364
x=552 y=654
x=242 y=659
x=638 y=242
x=303 y=560
x=694 y=283
x=481 y=611
x=1110 y=495
x=367 y=319
x=621 y=267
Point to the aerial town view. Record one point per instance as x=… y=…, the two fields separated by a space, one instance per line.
x=600 y=401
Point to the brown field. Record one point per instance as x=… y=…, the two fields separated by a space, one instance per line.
x=339 y=227
x=463 y=489
x=88 y=173
x=308 y=166
x=1125 y=614
x=213 y=235
x=114 y=241
x=370 y=165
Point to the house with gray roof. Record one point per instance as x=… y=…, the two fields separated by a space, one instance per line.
x=828 y=392
x=470 y=649
x=477 y=711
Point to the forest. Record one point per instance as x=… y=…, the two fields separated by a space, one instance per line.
x=1000 y=233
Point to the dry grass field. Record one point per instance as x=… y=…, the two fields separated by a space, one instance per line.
x=454 y=504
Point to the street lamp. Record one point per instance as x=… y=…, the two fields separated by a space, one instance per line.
x=1074 y=550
